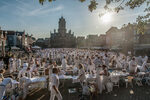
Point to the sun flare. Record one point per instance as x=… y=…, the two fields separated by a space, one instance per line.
x=106 y=18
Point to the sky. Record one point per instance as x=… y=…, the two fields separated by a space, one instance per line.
x=39 y=19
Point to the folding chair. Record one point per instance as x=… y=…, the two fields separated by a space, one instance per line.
x=115 y=80
x=139 y=78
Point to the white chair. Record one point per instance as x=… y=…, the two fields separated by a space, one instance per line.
x=115 y=80
x=139 y=78
x=147 y=78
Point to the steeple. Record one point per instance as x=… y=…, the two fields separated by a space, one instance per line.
x=62 y=26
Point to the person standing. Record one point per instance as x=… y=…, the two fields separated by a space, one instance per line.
x=82 y=73
x=133 y=66
x=64 y=63
x=55 y=85
x=18 y=63
x=1 y=63
x=23 y=71
x=11 y=64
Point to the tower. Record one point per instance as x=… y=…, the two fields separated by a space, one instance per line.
x=62 y=26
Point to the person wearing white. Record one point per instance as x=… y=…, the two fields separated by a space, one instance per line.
x=11 y=64
x=24 y=83
x=64 y=63
x=99 y=79
x=82 y=76
x=55 y=85
x=132 y=66
x=1 y=63
x=18 y=63
x=3 y=85
x=23 y=71
x=91 y=67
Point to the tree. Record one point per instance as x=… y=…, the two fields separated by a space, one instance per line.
x=121 y=4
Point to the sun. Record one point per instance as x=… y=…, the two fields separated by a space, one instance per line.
x=106 y=18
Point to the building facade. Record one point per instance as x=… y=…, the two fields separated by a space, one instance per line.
x=114 y=38
x=102 y=40
x=92 y=41
x=15 y=38
x=62 y=38
x=2 y=42
x=80 y=42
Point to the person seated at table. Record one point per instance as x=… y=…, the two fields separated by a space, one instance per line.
x=124 y=62
x=113 y=62
x=119 y=65
x=85 y=89
x=81 y=75
x=132 y=66
x=34 y=70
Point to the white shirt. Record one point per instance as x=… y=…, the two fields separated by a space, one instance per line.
x=1 y=64
x=82 y=74
x=55 y=80
x=19 y=62
x=64 y=62
x=132 y=65
x=25 y=65
x=6 y=81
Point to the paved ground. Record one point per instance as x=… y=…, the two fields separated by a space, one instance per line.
x=122 y=93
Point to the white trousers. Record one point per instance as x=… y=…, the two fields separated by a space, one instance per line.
x=53 y=94
x=2 y=92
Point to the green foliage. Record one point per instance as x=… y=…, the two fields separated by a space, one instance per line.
x=93 y=5
x=140 y=27
x=121 y=4
x=81 y=0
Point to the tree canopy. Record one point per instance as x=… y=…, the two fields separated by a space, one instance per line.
x=120 y=5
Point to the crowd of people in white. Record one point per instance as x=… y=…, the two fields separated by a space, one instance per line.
x=99 y=67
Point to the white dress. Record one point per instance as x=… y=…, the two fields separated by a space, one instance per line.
x=64 y=64
x=82 y=75
x=99 y=79
x=132 y=66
